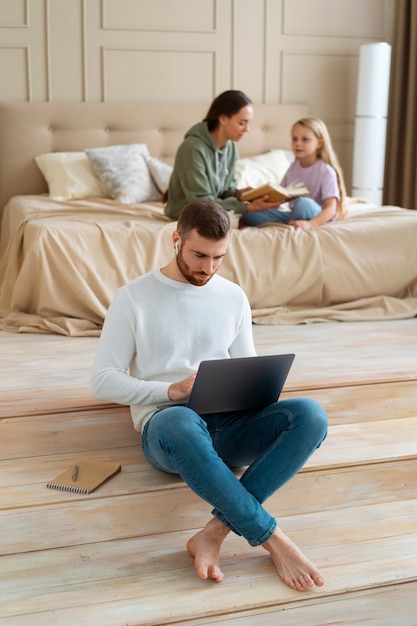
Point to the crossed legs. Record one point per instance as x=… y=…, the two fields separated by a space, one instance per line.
x=303 y=209
x=274 y=443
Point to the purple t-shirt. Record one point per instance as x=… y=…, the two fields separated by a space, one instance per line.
x=320 y=179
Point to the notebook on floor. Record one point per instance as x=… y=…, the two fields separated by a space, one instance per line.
x=237 y=384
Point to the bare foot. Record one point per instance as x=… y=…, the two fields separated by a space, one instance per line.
x=205 y=546
x=294 y=569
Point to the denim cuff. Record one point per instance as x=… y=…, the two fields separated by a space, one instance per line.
x=252 y=542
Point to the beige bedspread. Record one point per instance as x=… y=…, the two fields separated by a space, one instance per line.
x=64 y=262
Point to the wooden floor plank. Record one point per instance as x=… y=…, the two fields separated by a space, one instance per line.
x=124 y=571
x=327 y=355
x=83 y=521
x=118 y=556
x=349 y=444
x=23 y=479
x=23 y=486
x=393 y=605
x=96 y=432
x=361 y=403
x=307 y=491
x=67 y=432
x=29 y=382
x=352 y=353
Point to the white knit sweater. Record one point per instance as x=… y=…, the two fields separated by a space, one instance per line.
x=156 y=332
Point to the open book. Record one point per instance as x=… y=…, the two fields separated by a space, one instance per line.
x=276 y=193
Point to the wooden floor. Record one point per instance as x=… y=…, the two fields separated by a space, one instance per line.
x=117 y=557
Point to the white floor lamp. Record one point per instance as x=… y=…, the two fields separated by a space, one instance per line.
x=371 y=121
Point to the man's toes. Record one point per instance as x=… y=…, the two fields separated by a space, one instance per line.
x=216 y=573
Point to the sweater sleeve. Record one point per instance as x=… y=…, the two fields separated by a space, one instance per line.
x=110 y=378
x=243 y=344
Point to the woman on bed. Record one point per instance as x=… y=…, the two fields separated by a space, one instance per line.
x=317 y=167
x=205 y=162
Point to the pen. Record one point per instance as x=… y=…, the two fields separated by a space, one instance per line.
x=75 y=474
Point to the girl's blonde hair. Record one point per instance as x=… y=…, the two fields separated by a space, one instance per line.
x=326 y=152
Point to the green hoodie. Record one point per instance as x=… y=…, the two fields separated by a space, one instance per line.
x=203 y=172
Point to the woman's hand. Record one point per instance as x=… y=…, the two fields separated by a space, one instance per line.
x=261 y=204
x=239 y=192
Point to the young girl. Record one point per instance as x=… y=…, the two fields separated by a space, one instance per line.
x=317 y=167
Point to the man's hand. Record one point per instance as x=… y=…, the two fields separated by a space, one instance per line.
x=181 y=390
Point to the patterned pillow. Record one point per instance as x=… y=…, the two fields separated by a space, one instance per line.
x=124 y=172
x=161 y=173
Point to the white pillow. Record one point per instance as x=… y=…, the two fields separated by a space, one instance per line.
x=268 y=167
x=124 y=172
x=160 y=172
x=69 y=175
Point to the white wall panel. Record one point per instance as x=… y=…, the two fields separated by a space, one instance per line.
x=335 y=18
x=64 y=22
x=174 y=50
x=13 y=13
x=249 y=47
x=158 y=75
x=171 y=15
x=14 y=74
x=303 y=73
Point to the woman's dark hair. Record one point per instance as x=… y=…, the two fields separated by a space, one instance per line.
x=208 y=218
x=227 y=103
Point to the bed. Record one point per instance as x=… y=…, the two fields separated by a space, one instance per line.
x=62 y=258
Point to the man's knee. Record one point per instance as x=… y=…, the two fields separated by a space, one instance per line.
x=178 y=423
x=317 y=420
x=309 y=416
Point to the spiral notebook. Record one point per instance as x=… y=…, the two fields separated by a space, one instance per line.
x=85 y=476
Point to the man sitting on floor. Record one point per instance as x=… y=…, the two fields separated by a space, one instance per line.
x=157 y=330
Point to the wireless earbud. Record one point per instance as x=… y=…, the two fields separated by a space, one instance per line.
x=176 y=247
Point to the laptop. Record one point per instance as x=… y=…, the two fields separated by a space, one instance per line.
x=237 y=384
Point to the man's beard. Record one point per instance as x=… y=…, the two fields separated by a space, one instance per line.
x=189 y=276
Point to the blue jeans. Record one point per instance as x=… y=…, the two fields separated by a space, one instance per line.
x=272 y=443
x=303 y=209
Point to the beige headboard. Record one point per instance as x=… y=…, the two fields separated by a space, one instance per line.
x=28 y=129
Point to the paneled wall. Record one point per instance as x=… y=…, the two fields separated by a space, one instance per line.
x=190 y=50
